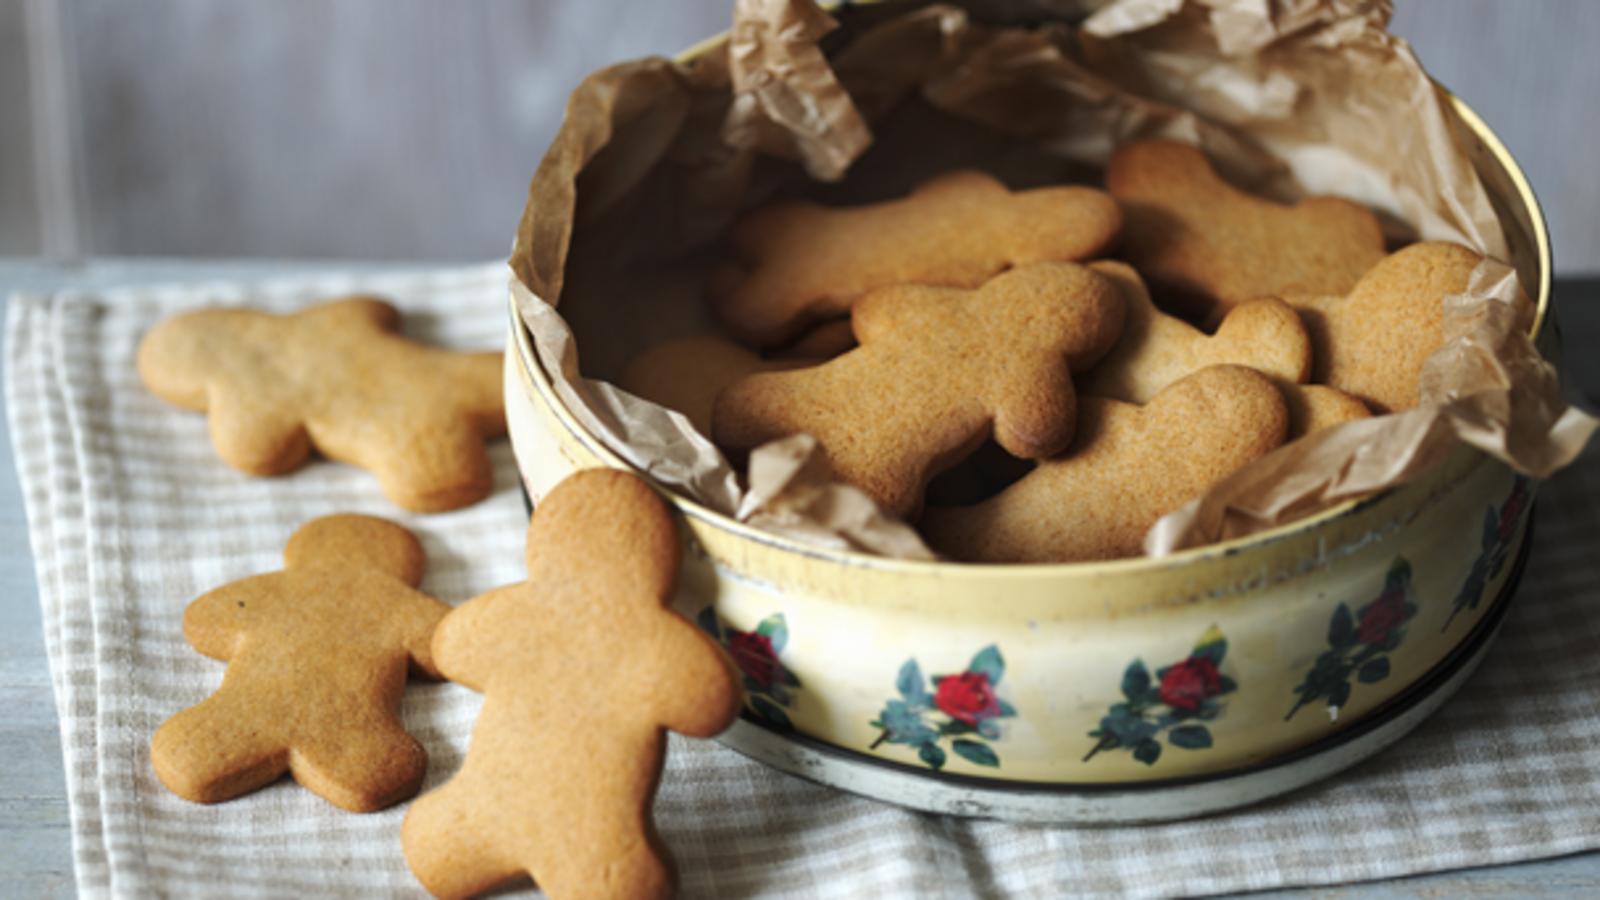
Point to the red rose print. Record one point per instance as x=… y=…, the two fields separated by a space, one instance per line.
x=1382 y=617
x=967 y=698
x=754 y=656
x=1186 y=685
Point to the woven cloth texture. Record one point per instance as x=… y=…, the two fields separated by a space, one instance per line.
x=131 y=516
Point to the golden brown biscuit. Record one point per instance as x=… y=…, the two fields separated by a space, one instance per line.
x=1156 y=349
x=1212 y=246
x=1128 y=467
x=801 y=262
x=1373 y=342
x=687 y=374
x=338 y=377
x=582 y=667
x=938 y=371
x=317 y=656
x=1313 y=407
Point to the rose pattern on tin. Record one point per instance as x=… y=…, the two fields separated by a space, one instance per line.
x=963 y=708
x=1177 y=703
x=769 y=686
x=1359 y=644
x=1499 y=527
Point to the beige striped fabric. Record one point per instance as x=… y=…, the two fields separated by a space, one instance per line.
x=132 y=516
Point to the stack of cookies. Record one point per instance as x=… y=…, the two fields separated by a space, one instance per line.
x=1040 y=375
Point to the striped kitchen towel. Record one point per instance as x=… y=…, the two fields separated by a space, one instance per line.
x=131 y=516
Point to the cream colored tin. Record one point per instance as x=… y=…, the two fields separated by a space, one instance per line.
x=1014 y=678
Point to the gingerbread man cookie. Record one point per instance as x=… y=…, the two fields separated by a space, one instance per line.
x=1372 y=343
x=802 y=262
x=687 y=374
x=340 y=378
x=1156 y=349
x=582 y=667
x=938 y=371
x=317 y=657
x=1212 y=246
x=1128 y=467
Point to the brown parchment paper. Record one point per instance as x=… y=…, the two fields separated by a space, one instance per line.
x=1288 y=97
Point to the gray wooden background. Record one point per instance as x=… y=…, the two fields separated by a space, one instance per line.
x=408 y=129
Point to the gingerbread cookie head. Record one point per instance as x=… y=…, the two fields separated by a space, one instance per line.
x=317 y=657
x=1373 y=342
x=1128 y=467
x=582 y=666
x=938 y=371
x=1211 y=246
x=1156 y=349
x=801 y=263
x=339 y=378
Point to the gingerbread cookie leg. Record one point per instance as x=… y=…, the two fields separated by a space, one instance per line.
x=344 y=772
x=255 y=437
x=452 y=850
x=202 y=756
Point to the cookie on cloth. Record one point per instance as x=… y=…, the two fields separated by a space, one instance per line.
x=800 y=262
x=1211 y=246
x=1373 y=341
x=1156 y=349
x=687 y=374
x=583 y=667
x=317 y=659
x=1128 y=467
x=340 y=378
x=938 y=371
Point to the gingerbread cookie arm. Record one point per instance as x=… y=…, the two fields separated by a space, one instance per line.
x=466 y=643
x=708 y=696
x=213 y=623
x=417 y=616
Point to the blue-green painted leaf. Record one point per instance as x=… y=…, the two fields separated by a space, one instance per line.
x=1190 y=737
x=707 y=620
x=1342 y=628
x=989 y=728
x=1006 y=709
x=1491 y=528
x=1399 y=574
x=976 y=752
x=1374 y=670
x=932 y=755
x=1338 y=693
x=909 y=684
x=770 y=711
x=776 y=630
x=1226 y=685
x=1147 y=751
x=1213 y=650
x=1128 y=730
x=989 y=662
x=954 y=727
x=1135 y=680
x=778 y=693
x=904 y=725
x=788 y=677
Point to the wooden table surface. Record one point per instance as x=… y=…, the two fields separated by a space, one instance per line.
x=35 y=840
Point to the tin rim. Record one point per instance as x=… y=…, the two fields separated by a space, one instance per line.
x=534 y=370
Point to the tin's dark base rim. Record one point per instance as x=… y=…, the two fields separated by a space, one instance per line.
x=1467 y=652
